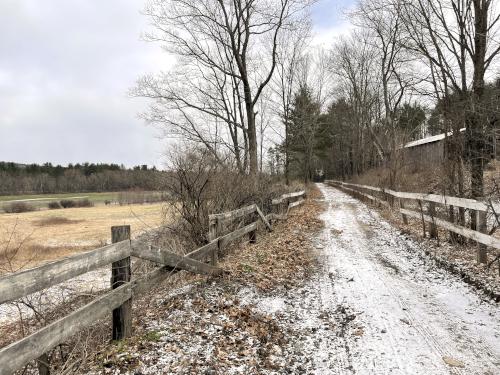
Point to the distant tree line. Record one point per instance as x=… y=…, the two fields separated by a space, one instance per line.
x=86 y=177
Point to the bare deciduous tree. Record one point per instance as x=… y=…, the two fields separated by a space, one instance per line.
x=227 y=52
x=291 y=50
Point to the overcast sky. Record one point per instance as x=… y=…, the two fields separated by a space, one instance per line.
x=65 y=71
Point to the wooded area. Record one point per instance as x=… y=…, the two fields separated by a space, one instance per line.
x=76 y=178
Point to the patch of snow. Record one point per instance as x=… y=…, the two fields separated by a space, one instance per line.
x=271 y=305
x=88 y=283
x=247 y=296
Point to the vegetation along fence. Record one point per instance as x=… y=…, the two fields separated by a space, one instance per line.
x=438 y=211
x=118 y=301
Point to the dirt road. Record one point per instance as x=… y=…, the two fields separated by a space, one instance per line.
x=392 y=310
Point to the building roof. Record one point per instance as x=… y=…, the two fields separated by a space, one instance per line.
x=431 y=139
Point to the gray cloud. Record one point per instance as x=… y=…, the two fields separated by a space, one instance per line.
x=64 y=77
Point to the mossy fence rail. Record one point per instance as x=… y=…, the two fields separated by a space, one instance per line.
x=118 y=301
x=438 y=211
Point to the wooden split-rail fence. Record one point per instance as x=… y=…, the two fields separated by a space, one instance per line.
x=118 y=301
x=428 y=205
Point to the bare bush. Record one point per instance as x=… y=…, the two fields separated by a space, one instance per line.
x=30 y=313
x=201 y=185
x=55 y=220
x=54 y=205
x=67 y=203
x=18 y=207
x=84 y=203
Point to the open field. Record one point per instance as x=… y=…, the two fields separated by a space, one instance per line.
x=51 y=234
x=95 y=197
x=40 y=201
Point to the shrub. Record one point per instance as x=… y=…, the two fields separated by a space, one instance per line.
x=54 y=205
x=67 y=203
x=18 y=207
x=84 y=203
x=199 y=185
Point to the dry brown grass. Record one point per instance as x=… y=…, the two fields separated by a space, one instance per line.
x=409 y=179
x=55 y=220
x=284 y=256
x=431 y=179
x=46 y=237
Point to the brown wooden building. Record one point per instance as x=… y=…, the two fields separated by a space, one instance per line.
x=431 y=150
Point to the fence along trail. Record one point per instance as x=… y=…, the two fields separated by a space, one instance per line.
x=118 y=301
x=389 y=197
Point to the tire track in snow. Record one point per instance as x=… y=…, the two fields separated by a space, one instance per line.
x=419 y=330
x=439 y=348
x=441 y=343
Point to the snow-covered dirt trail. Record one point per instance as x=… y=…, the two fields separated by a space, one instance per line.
x=393 y=310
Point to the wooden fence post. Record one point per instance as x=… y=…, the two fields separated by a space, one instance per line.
x=422 y=216
x=43 y=364
x=451 y=219
x=212 y=229
x=402 y=205
x=252 y=235
x=474 y=220
x=120 y=274
x=219 y=231
x=433 y=231
x=482 y=251
x=220 y=228
x=214 y=259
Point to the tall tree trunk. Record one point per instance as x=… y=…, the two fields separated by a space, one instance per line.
x=287 y=157
x=252 y=144
x=251 y=130
x=474 y=126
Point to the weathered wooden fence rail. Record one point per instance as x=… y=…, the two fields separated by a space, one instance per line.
x=282 y=205
x=390 y=197
x=118 y=301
